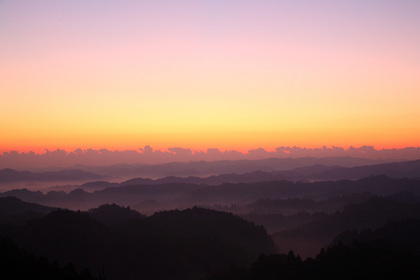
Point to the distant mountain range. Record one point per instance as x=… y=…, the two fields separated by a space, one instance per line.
x=305 y=208
x=209 y=168
x=154 y=197
x=255 y=176
x=243 y=171
x=9 y=175
x=406 y=169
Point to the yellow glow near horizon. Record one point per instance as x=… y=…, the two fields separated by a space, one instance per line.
x=73 y=80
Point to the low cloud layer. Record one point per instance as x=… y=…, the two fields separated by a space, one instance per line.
x=147 y=155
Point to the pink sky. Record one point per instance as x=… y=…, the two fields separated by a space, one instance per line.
x=235 y=75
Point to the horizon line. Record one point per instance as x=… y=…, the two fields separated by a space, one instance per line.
x=174 y=149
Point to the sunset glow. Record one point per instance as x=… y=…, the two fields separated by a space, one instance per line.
x=233 y=75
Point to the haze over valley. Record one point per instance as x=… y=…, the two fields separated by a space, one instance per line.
x=209 y=140
x=300 y=205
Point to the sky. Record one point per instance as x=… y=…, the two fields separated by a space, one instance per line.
x=232 y=75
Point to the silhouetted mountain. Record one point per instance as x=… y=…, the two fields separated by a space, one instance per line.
x=114 y=214
x=246 y=193
x=406 y=169
x=229 y=227
x=359 y=260
x=276 y=222
x=255 y=176
x=10 y=175
x=306 y=173
x=18 y=264
x=282 y=205
x=182 y=195
x=405 y=233
x=278 y=215
x=171 y=195
x=208 y=168
x=79 y=195
x=168 y=245
x=13 y=206
x=405 y=197
x=298 y=205
x=139 y=181
x=319 y=232
x=14 y=210
x=334 y=168
x=26 y=195
x=98 y=185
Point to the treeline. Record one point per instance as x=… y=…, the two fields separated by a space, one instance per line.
x=174 y=244
x=16 y=263
x=359 y=260
x=390 y=252
x=120 y=243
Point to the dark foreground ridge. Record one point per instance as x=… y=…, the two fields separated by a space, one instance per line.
x=18 y=264
x=116 y=242
x=359 y=260
x=390 y=252
x=168 y=245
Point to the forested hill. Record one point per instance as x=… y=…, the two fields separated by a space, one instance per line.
x=183 y=195
x=168 y=245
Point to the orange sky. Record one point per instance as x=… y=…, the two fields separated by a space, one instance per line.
x=200 y=74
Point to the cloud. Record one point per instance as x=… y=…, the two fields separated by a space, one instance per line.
x=147 y=155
